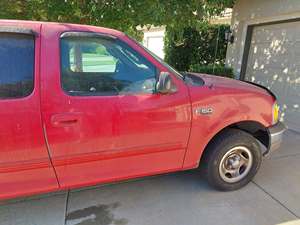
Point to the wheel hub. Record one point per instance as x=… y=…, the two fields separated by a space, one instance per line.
x=234 y=162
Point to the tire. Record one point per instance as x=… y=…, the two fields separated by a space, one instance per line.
x=231 y=160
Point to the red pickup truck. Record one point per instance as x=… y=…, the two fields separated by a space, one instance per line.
x=82 y=105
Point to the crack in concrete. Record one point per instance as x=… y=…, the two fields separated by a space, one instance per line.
x=276 y=200
x=67 y=204
x=285 y=156
x=294 y=131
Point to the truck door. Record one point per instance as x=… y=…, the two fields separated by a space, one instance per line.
x=103 y=120
x=25 y=167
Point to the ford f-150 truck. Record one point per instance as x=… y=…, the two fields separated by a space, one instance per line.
x=83 y=105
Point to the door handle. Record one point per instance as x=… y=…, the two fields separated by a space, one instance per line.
x=65 y=119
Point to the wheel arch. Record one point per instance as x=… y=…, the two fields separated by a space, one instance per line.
x=254 y=128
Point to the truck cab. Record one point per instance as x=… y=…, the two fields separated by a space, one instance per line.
x=83 y=105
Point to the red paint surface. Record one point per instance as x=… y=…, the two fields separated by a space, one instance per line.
x=109 y=138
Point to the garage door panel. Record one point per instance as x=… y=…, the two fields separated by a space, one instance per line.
x=266 y=73
x=271 y=79
x=274 y=61
x=260 y=63
x=293 y=84
x=273 y=39
x=273 y=32
x=294 y=59
x=262 y=55
x=290 y=115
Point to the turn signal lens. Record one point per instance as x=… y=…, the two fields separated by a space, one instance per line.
x=275 y=113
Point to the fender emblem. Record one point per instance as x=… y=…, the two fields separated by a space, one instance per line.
x=204 y=111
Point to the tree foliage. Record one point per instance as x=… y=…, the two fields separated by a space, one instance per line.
x=124 y=15
x=217 y=70
x=202 y=46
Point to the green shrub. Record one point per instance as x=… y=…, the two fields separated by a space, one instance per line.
x=196 y=46
x=210 y=69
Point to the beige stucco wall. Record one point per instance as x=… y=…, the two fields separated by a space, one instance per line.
x=250 y=12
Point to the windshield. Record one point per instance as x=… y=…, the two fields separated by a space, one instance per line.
x=159 y=60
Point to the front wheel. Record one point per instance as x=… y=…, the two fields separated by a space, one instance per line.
x=232 y=160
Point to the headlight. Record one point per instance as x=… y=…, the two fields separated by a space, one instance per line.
x=275 y=113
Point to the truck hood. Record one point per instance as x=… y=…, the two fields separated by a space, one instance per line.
x=212 y=82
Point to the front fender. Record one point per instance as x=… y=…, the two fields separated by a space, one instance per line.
x=226 y=109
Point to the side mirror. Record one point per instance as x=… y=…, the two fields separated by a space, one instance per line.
x=165 y=85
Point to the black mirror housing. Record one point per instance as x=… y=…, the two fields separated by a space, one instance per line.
x=165 y=84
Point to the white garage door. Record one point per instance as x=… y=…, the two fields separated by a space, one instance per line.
x=274 y=61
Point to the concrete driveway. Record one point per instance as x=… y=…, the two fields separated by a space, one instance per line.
x=182 y=198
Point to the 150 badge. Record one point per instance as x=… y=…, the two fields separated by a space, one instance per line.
x=204 y=111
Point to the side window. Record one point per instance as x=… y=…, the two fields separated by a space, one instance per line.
x=16 y=65
x=100 y=66
x=90 y=57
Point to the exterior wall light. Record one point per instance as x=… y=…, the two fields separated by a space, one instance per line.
x=229 y=37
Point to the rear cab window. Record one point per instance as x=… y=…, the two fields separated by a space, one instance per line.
x=16 y=65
